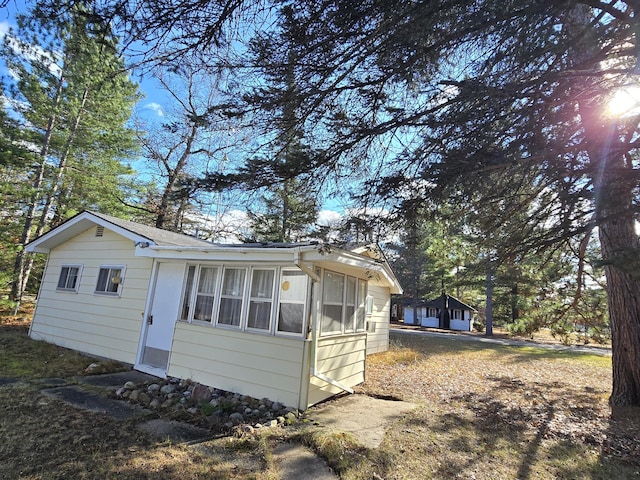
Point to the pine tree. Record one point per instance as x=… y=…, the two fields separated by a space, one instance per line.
x=74 y=98
x=449 y=91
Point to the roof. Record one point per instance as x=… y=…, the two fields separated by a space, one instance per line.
x=138 y=233
x=157 y=243
x=156 y=235
x=453 y=303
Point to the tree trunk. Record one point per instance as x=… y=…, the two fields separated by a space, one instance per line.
x=19 y=282
x=489 y=306
x=173 y=174
x=614 y=184
x=620 y=253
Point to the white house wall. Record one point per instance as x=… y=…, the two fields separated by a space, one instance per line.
x=249 y=364
x=341 y=358
x=378 y=334
x=102 y=325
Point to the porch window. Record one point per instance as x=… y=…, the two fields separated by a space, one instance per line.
x=291 y=308
x=69 y=279
x=350 y=305
x=332 y=302
x=261 y=299
x=110 y=279
x=231 y=296
x=343 y=304
x=360 y=312
x=187 y=293
x=205 y=295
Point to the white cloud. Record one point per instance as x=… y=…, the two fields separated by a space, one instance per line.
x=156 y=107
x=4 y=28
x=328 y=217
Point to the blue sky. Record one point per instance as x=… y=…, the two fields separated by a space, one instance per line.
x=155 y=104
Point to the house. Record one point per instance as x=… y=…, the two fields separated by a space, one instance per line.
x=289 y=322
x=456 y=315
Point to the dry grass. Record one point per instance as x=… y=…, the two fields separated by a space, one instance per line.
x=496 y=412
x=484 y=412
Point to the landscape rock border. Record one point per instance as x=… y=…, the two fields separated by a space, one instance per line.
x=206 y=406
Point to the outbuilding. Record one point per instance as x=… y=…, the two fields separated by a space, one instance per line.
x=289 y=322
x=444 y=312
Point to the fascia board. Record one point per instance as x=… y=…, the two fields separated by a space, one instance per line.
x=75 y=226
x=219 y=253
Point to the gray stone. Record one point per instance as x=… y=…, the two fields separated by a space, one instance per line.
x=168 y=389
x=214 y=403
x=192 y=410
x=120 y=391
x=155 y=403
x=277 y=406
x=154 y=387
x=130 y=385
x=134 y=395
x=144 y=398
x=167 y=403
x=236 y=418
x=201 y=393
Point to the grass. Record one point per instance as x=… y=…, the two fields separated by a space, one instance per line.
x=482 y=412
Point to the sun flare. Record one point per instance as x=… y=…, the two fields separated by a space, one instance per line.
x=624 y=102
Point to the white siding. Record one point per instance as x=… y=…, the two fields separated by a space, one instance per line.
x=378 y=334
x=242 y=362
x=341 y=358
x=106 y=326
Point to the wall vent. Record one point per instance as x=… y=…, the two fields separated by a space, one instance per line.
x=99 y=231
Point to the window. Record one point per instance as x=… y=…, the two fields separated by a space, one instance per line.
x=247 y=298
x=230 y=312
x=291 y=309
x=69 y=279
x=205 y=294
x=110 y=280
x=332 y=302
x=350 y=305
x=343 y=304
x=261 y=299
x=360 y=314
x=187 y=293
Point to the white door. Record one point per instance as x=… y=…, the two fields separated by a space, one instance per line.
x=163 y=316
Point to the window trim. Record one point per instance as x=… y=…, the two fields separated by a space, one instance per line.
x=106 y=293
x=75 y=289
